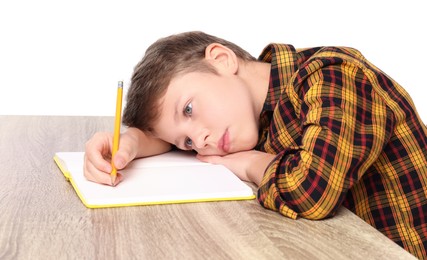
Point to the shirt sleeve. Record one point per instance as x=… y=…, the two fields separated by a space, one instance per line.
x=344 y=128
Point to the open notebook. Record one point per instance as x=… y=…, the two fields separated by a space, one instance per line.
x=173 y=177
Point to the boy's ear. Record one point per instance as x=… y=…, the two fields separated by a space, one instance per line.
x=222 y=58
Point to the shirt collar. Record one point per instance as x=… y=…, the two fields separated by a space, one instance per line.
x=283 y=65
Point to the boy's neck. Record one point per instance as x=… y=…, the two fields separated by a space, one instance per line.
x=257 y=77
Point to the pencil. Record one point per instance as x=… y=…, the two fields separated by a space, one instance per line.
x=116 y=137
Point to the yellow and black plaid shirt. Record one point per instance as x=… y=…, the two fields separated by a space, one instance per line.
x=344 y=134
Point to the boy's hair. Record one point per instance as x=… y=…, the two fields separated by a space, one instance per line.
x=163 y=60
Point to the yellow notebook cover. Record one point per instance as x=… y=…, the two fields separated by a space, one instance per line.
x=173 y=177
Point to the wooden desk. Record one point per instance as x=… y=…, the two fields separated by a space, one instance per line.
x=42 y=218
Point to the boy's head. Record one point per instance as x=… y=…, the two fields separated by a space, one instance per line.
x=163 y=61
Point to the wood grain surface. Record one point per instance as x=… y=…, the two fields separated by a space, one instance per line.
x=41 y=217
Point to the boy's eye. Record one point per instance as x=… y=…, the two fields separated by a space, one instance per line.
x=188 y=109
x=188 y=143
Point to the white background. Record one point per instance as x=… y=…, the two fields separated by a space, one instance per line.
x=65 y=57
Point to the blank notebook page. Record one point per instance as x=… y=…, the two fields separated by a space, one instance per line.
x=174 y=177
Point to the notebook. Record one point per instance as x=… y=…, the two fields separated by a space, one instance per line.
x=173 y=177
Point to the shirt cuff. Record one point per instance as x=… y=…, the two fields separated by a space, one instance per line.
x=268 y=193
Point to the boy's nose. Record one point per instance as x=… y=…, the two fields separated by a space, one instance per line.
x=200 y=139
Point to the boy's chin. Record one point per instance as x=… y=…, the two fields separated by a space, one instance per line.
x=249 y=145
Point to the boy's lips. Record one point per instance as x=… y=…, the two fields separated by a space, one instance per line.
x=224 y=142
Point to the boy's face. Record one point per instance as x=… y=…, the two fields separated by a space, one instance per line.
x=211 y=114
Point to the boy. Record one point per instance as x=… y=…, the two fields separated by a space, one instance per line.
x=313 y=128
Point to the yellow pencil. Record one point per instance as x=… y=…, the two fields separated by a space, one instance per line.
x=116 y=137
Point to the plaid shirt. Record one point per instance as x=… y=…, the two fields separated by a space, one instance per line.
x=344 y=134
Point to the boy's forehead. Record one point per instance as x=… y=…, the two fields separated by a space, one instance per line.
x=188 y=82
x=164 y=108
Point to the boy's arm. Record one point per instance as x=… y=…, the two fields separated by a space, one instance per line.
x=133 y=144
x=247 y=165
x=145 y=144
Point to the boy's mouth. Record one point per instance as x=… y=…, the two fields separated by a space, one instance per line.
x=224 y=142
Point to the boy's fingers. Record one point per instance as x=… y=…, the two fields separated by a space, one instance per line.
x=95 y=175
x=96 y=148
x=97 y=160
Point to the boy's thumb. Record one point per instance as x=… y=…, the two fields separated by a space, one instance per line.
x=119 y=161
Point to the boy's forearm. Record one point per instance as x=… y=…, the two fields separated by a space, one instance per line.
x=258 y=166
x=145 y=144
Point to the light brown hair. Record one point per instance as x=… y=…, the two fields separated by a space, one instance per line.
x=163 y=60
